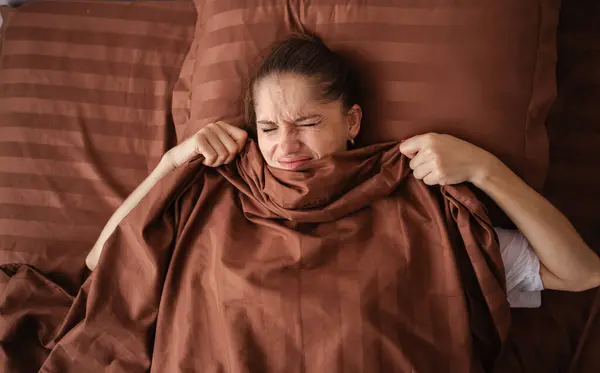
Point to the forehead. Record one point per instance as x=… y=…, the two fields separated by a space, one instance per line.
x=284 y=96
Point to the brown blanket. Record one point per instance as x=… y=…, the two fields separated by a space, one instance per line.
x=351 y=266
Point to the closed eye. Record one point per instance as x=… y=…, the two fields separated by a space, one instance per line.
x=267 y=130
x=272 y=127
x=309 y=124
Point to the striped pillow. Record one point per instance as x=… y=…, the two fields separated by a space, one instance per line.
x=479 y=69
x=182 y=93
x=85 y=95
x=5 y=15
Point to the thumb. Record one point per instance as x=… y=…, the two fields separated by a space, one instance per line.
x=237 y=134
x=412 y=146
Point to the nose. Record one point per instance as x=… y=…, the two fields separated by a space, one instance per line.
x=289 y=142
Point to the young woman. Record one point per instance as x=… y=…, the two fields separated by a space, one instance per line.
x=302 y=106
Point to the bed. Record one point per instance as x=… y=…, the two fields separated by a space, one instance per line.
x=92 y=93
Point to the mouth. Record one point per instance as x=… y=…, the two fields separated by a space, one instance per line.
x=293 y=163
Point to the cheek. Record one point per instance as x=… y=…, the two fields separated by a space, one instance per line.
x=266 y=145
x=336 y=133
x=324 y=142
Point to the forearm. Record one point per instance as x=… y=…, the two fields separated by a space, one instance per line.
x=162 y=169
x=554 y=239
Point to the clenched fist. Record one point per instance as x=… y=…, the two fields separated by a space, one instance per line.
x=218 y=143
x=444 y=159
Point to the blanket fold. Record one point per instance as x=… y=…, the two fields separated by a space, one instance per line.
x=349 y=266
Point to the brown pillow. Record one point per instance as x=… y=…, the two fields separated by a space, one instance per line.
x=85 y=91
x=182 y=93
x=480 y=70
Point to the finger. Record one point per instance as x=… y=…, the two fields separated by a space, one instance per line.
x=218 y=147
x=431 y=179
x=239 y=135
x=410 y=147
x=204 y=148
x=423 y=170
x=228 y=142
x=421 y=157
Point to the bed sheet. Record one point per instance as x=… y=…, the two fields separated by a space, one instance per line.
x=85 y=102
x=75 y=139
x=564 y=335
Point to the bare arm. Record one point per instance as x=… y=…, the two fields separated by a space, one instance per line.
x=218 y=143
x=568 y=263
x=163 y=168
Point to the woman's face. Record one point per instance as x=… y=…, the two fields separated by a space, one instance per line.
x=293 y=127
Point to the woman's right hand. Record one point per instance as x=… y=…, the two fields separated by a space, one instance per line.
x=218 y=143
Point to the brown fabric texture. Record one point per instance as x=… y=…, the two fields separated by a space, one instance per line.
x=6 y=13
x=480 y=70
x=182 y=94
x=85 y=97
x=564 y=335
x=32 y=309
x=574 y=123
x=350 y=266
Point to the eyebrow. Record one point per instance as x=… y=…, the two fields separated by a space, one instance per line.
x=300 y=119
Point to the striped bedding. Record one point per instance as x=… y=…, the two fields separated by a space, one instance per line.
x=92 y=93
x=85 y=100
x=6 y=14
x=483 y=70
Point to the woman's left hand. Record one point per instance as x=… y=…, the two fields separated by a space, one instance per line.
x=444 y=159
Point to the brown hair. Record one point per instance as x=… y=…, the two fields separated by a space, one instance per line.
x=306 y=55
